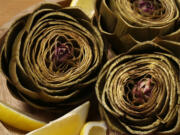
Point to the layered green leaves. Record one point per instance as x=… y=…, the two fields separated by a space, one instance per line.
x=51 y=57
x=139 y=91
x=125 y=22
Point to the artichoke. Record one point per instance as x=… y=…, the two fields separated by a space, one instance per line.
x=51 y=57
x=125 y=22
x=139 y=91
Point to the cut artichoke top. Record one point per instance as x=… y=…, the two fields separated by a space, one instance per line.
x=126 y=22
x=145 y=13
x=138 y=91
x=51 y=56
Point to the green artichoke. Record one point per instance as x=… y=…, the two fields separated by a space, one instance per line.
x=139 y=91
x=51 y=57
x=125 y=22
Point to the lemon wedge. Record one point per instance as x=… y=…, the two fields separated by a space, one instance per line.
x=69 y=124
x=88 y=6
x=17 y=119
x=94 y=128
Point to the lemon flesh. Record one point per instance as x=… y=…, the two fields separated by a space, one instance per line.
x=94 y=128
x=17 y=119
x=88 y=6
x=97 y=131
x=69 y=124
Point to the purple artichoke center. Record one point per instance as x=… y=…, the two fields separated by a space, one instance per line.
x=146 y=6
x=62 y=52
x=142 y=90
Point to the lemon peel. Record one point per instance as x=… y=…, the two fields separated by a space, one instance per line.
x=88 y=6
x=18 y=120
